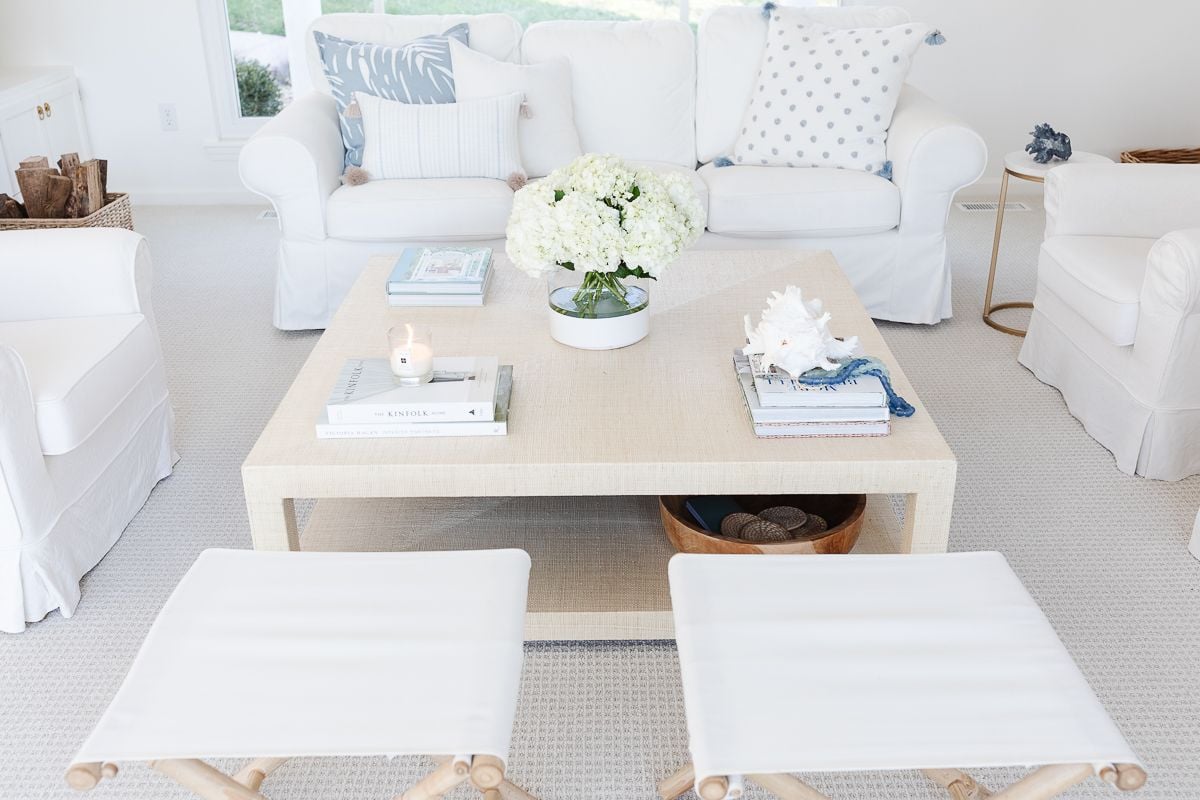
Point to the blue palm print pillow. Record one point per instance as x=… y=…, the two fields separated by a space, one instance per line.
x=419 y=71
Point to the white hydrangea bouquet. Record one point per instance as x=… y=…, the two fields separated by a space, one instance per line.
x=606 y=222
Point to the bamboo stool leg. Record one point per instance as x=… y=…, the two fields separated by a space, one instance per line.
x=959 y=784
x=676 y=785
x=86 y=775
x=714 y=787
x=491 y=794
x=204 y=780
x=450 y=774
x=1046 y=782
x=487 y=772
x=510 y=791
x=1125 y=777
x=787 y=787
x=254 y=773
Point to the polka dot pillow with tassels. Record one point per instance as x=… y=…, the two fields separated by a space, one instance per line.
x=824 y=97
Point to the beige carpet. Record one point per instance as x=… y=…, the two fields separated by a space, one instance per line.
x=1103 y=553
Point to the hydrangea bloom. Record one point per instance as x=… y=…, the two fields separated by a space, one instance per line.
x=794 y=335
x=598 y=215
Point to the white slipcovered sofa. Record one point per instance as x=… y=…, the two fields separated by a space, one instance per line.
x=1116 y=315
x=85 y=420
x=655 y=94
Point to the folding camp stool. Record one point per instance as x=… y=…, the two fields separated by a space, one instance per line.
x=271 y=656
x=796 y=664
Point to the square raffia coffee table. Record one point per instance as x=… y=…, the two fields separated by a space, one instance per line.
x=594 y=438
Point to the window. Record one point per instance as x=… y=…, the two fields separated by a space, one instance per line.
x=257 y=50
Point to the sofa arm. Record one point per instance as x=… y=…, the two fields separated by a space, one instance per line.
x=78 y=272
x=1143 y=200
x=27 y=500
x=1166 y=347
x=295 y=161
x=1172 y=283
x=933 y=155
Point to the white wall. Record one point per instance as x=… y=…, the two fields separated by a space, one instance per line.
x=1112 y=75
x=129 y=56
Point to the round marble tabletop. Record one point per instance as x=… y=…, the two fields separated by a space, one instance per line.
x=1022 y=164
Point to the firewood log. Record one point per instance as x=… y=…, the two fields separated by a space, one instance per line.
x=95 y=185
x=35 y=189
x=68 y=163
x=34 y=162
x=103 y=179
x=57 y=196
x=10 y=208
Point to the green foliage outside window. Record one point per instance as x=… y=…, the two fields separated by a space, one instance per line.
x=259 y=94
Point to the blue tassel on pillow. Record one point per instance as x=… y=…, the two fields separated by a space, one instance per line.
x=767 y=8
x=885 y=172
x=722 y=161
x=935 y=38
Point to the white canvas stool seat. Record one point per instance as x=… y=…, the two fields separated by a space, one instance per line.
x=796 y=664
x=268 y=656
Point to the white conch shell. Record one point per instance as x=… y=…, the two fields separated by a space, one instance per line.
x=794 y=335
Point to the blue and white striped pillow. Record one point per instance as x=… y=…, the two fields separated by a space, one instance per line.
x=419 y=71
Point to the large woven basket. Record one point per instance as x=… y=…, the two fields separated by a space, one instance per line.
x=1183 y=155
x=116 y=213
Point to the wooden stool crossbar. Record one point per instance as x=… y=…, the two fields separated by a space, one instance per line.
x=485 y=773
x=1042 y=783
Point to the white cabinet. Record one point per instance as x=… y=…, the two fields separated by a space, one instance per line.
x=40 y=115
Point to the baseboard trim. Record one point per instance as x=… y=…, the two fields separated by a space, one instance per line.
x=234 y=198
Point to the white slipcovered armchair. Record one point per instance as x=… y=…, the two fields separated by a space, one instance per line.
x=1116 y=319
x=85 y=421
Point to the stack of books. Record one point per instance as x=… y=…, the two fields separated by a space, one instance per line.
x=781 y=407
x=467 y=397
x=440 y=276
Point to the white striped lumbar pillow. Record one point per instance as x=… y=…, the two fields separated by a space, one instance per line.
x=472 y=139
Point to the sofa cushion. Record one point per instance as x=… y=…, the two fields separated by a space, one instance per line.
x=547 y=128
x=793 y=201
x=467 y=139
x=634 y=84
x=81 y=369
x=419 y=72
x=1100 y=278
x=825 y=97
x=729 y=48
x=498 y=35
x=433 y=209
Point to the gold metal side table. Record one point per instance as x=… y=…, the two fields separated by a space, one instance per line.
x=1020 y=165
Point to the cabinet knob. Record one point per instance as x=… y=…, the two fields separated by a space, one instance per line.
x=41 y=112
x=47 y=107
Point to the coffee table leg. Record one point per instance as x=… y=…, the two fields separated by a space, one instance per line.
x=927 y=517
x=272 y=522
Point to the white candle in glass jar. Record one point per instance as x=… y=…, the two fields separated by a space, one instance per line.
x=411 y=354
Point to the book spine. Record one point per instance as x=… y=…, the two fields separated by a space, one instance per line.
x=416 y=413
x=419 y=430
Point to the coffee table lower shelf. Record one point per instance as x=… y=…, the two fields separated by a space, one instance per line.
x=599 y=563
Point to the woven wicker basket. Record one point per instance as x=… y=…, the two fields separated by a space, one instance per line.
x=1184 y=155
x=116 y=213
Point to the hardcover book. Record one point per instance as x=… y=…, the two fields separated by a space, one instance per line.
x=440 y=270
x=781 y=391
x=784 y=415
x=497 y=426
x=434 y=300
x=462 y=390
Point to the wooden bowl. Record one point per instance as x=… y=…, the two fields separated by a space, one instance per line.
x=843 y=512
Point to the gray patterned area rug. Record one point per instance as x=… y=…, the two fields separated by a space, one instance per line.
x=1104 y=554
